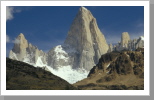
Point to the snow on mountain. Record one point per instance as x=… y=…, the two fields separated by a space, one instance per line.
x=39 y=62
x=60 y=53
x=65 y=72
x=108 y=65
x=13 y=55
x=69 y=74
x=142 y=38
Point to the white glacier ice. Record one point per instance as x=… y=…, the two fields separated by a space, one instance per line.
x=39 y=62
x=60 y=53
x=69 y=74
x=65 y=72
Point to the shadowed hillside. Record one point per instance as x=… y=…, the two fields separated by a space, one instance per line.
x=22 y=76
x=116 y=71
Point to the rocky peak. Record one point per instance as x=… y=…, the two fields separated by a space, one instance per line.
x=26 y=52
x=86 y=38
x=83 y=9
x=20 y=43
x=21 y=35
x=83 y=15
x=110 y=47
x=125 y=38
x=141 y=37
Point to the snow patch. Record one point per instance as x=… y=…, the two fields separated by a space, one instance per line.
x=59 y=49
x=14 y=56
x=69 y=74
x=26 y=60
x=39 y=62
x=108 y=65
x=141 y=37
x=64 y=72
x=60 y=53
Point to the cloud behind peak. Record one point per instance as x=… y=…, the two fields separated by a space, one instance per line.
x=9 y=13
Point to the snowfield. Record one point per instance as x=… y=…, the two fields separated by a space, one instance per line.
x=65 y=72
x=69 y=74
x=60 y=53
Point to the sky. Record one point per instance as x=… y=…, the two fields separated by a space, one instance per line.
x=47 y=26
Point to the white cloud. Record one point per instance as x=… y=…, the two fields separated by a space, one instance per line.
x=17 y=41
x=9 y=13
x=7 y=39
x=11 y=10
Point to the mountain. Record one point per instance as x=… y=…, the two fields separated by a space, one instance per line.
x=116 y=70
x=26 y=52
x=127 y=44
x=22 y=76
x=84 y=44
x=81 y=50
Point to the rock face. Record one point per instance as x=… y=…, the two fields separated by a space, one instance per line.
x=127 y=44
x=123 y=63
x=82 y=48
x=87 y=39
x=59 y=57
x=110 y=48
x=140 y=42
x=26 y=52
x=125 y=39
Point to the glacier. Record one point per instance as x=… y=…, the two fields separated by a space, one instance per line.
x=65 y=72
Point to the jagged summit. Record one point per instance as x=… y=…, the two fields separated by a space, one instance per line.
x=142 y=37
x=20 y=43
x=83 y=9
x=83 y=47
x=83 y=13
x=125 y=38
x=127 y=44
x=87 y=39
x=21 y=34
x=26 y=52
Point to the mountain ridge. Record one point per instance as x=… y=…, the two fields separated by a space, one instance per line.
x=82 y=49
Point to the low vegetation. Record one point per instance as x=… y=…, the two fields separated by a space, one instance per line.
x=22 y=76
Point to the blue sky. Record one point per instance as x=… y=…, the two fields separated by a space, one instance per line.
x=47 y=26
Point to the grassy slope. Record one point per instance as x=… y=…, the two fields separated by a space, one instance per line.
x=22 y=76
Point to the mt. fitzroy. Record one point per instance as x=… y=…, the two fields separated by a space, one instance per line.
x=84 y=44
x=82 y=48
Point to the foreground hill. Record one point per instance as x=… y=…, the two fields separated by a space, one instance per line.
x=116 y=71
x=22 y=76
